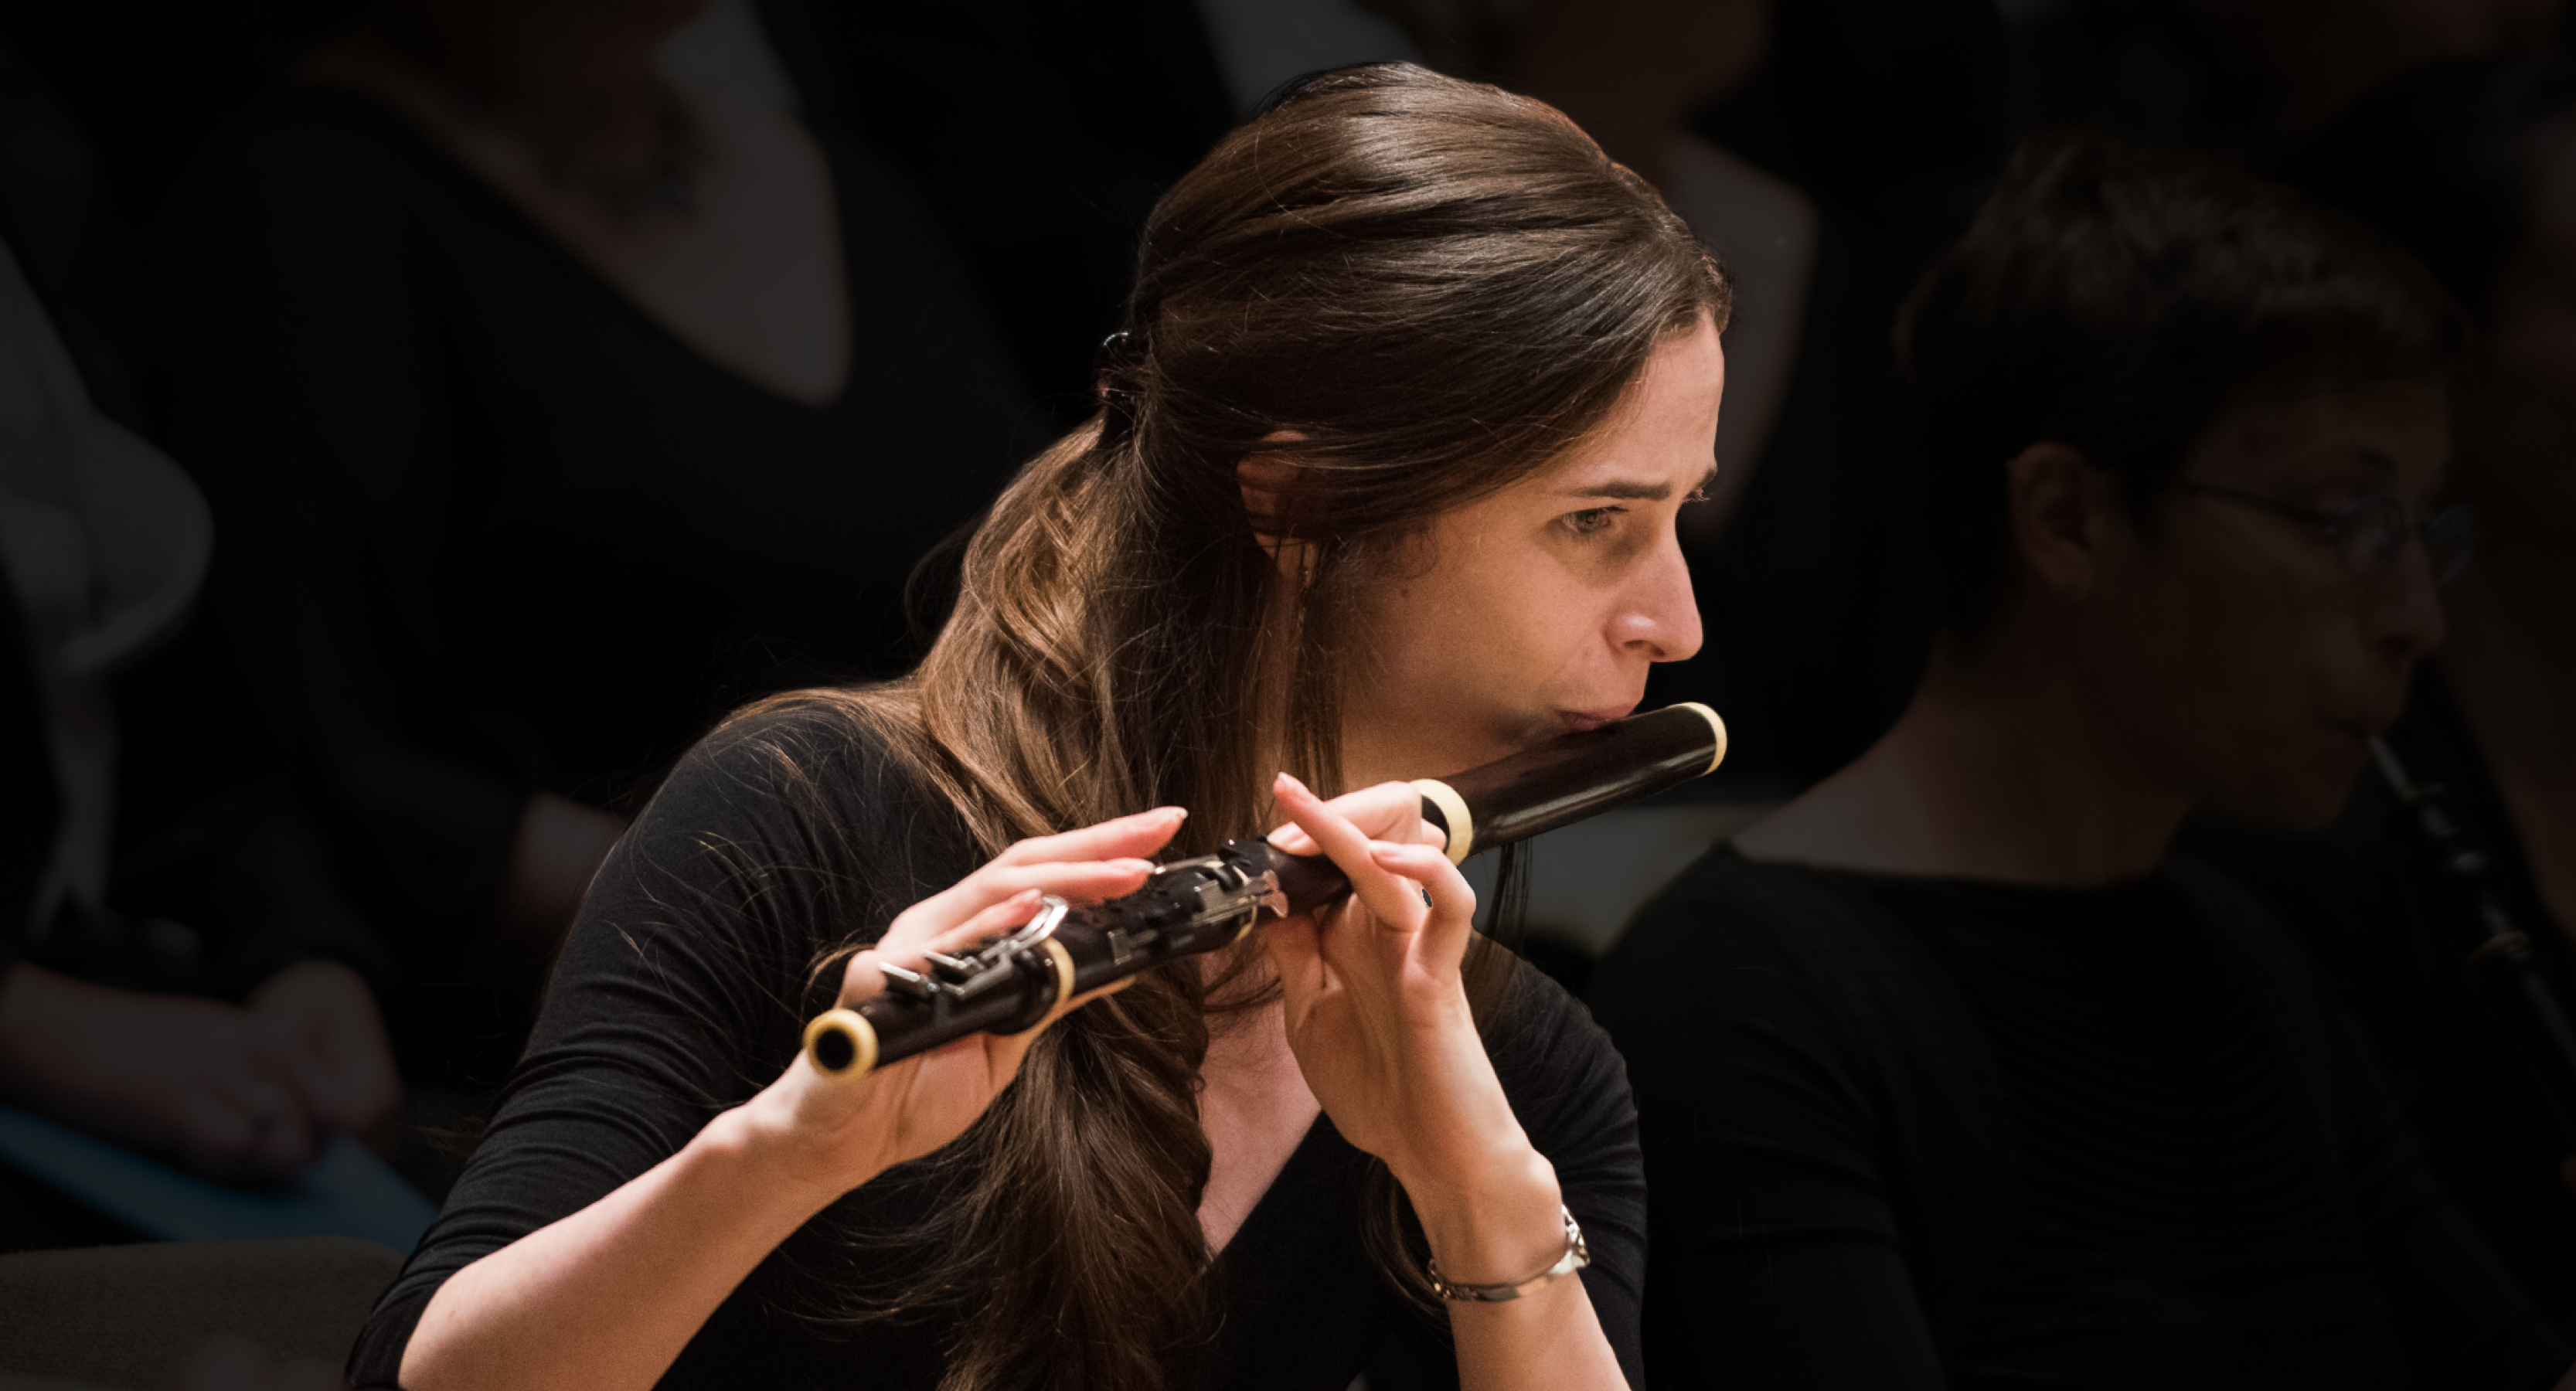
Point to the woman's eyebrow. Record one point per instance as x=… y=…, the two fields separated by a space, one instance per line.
x=2347 y=460
x=1625 y=490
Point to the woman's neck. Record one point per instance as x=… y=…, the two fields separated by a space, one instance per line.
x=1998 y=770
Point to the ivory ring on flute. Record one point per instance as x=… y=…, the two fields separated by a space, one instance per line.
x=1063 y=974
x=1716 y=726
x=842 y=1044
x=1453 y=809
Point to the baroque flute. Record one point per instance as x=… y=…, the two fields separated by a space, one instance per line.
x=1010 y=982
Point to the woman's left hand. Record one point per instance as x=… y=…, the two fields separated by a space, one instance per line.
x=1378 y=1018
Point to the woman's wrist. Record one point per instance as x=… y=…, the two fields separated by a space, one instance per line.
x=774 y=1159
x=1501 y=1223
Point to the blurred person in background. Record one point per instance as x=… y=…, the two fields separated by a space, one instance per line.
x=2245 y=80
x=553 y=405
x=2473 y=166
x=1041 y=132
x=1950 y=1073
x=237 y=1055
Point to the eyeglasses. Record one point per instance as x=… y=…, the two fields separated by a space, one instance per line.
x=2369 y=533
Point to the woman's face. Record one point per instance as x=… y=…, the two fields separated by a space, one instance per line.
x=2231 y=651
x=1540 y=608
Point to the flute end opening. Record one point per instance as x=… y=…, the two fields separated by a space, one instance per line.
x=841 y=1045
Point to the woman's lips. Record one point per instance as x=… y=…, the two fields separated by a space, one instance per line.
x=1580 y=720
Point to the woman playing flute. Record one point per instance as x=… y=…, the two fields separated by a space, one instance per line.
x=1384 y=483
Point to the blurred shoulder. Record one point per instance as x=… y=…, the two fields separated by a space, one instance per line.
x=1727 y=907
x=317 y=145
x=319 y=208
x=1759 y=955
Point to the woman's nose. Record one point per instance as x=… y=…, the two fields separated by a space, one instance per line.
x=2405 y=613
x=1658 y=614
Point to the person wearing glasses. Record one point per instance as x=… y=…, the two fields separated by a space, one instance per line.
x=2473 y=166
x=1950 y=1073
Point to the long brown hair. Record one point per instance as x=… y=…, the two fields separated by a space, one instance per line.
x=1437 y=287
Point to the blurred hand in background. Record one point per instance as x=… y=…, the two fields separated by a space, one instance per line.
x=243 y=1091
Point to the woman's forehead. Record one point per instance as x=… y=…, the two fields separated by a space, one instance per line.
x=2382 y=437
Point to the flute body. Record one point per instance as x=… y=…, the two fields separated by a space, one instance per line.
x=1191 y=906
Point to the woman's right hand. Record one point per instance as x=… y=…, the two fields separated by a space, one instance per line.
x=835 y=1134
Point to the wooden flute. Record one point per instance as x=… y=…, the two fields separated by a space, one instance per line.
x=1010 y=982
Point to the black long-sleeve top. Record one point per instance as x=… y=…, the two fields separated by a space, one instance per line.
x=2375 y=920
x=684 y=989
x=490 y=530
x=1925 y=1133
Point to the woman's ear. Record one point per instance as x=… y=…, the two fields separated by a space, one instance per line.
x=1266 y=479
x=2062 y=508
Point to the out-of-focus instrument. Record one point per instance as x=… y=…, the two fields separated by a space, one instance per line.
x=1009 y=983
x=2501 y=958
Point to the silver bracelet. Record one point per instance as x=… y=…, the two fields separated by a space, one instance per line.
x=1576 y=1257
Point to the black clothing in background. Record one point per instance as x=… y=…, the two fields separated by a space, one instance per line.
x=490 y=530
x=30 y=809
x=1924 y=1133
x=684 y=989
x=1041 y=131
x=2366 y=913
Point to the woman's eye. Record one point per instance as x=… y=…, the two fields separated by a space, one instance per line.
x=1591 y=521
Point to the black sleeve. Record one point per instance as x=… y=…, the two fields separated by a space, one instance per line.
x=2463 y=1319
x=1569 y=1091
x=683 y=986
x=27 y=795
x=310 y=385
x=2461 y=1316
x=1779 y=1258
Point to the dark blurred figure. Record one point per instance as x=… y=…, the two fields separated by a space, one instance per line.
x=2473 y=166
x=1950 y=1073
x=551 y=407
x=235 y=1053
x=59 y=216
x=2242 y=79
x=1042 y=131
